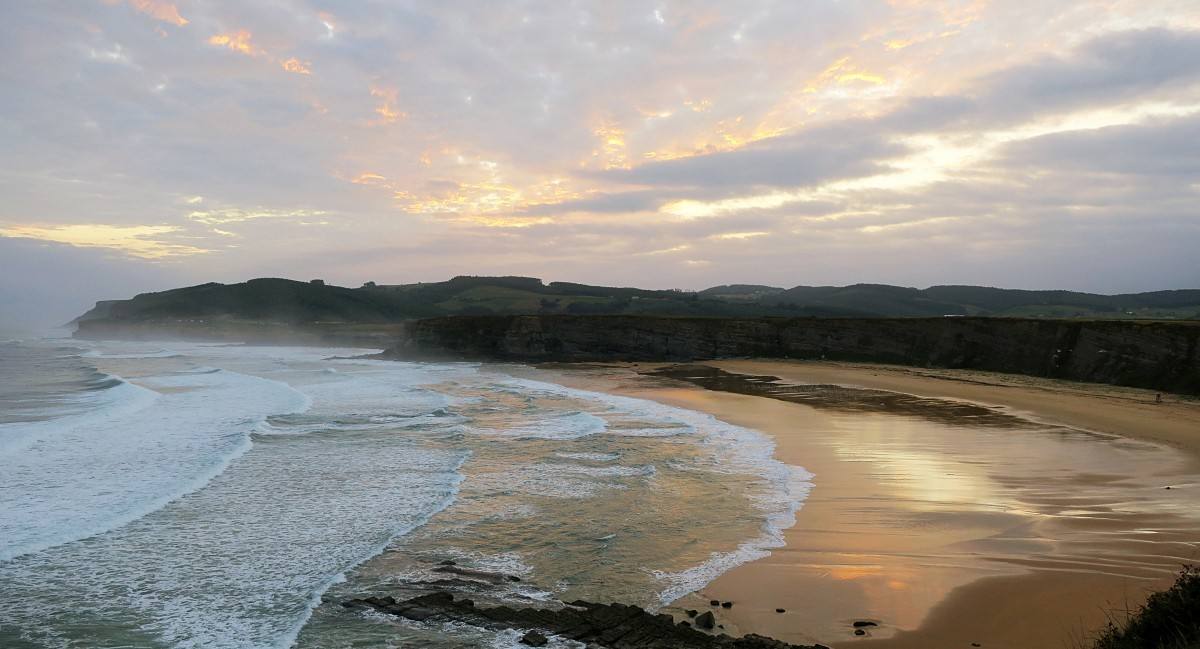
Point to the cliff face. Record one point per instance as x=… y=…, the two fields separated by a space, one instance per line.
x=1157 y=355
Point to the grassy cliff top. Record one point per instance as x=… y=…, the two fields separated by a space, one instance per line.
x=289 y=301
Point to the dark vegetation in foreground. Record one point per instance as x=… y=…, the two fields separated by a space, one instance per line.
x=282 y=300
x=1169 y=619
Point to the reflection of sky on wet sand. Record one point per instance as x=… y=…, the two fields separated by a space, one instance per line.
x=906 y=508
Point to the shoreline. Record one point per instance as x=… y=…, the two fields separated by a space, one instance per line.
x=953 y=573
x=1101 y=407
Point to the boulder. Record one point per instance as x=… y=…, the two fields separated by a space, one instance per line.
x=534 y=639
x=601 y=626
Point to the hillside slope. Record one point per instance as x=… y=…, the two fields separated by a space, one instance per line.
x=287 y=301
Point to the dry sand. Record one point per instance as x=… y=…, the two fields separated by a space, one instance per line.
x=998 y=533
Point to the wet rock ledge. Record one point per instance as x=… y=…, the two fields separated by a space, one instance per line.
x=608 y=626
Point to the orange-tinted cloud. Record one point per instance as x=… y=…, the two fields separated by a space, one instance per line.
x=387 y=111
x=843 y=71
x=369 y=178
x=157 y=9
x=238 y=41
x=613 y=152
x=143 y=241
x=296 y=66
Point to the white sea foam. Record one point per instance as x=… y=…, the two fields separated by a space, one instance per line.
x=86 y=474
x=735 y=450
x=96 y=408
x=603 y=471
x=229 y=543
x=548 y=425
x=242 y=561
x=544 y=480
x=158 y=353
x=593 y=457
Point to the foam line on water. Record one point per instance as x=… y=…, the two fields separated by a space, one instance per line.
x=288 y=640
x=83 y=476
x=739 y=450
x=121 y=399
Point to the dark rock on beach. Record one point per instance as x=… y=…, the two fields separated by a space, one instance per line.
x=706 y=621
x=479 y=575
x=534 y=639
x=607 y=626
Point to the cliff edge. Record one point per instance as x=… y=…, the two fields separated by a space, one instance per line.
x=1154 y=355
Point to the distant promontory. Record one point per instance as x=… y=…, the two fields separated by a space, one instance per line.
x=1147 y=340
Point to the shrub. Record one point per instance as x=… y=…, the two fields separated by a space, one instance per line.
x=1169 y=619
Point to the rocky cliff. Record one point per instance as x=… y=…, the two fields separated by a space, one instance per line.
x=1156 y=355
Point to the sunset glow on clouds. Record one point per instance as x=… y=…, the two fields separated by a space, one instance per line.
x=662 y=145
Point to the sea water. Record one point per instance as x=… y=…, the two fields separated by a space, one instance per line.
x=202 y=495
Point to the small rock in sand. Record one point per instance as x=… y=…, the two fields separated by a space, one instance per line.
x=726 y=604
x=691 y=612
x=713 y=602
x=780 y=610
x=861 y=623
x=859 y=632
x=706 y=620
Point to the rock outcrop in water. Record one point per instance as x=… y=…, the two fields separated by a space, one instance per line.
x=1157 y=355
x=611 y=626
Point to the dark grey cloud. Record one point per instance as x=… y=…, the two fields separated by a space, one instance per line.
x=606 y=203
x=1163 y=150
x=804 y=159
x=1104 y=71
x=1108 y=69
x=922 y=114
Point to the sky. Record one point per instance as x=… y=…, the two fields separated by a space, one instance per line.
x=149 y=144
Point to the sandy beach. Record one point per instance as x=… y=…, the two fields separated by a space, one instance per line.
x=988 y=510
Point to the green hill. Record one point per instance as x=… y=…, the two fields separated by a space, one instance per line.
x=288 y=301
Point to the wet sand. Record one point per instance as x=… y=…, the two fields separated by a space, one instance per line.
x=995 y=510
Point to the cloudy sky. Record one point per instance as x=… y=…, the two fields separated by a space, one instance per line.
x=146 y=144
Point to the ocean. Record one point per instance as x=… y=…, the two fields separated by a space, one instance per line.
x=205 y=495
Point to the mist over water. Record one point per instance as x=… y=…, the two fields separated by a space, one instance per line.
x=189 y=495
